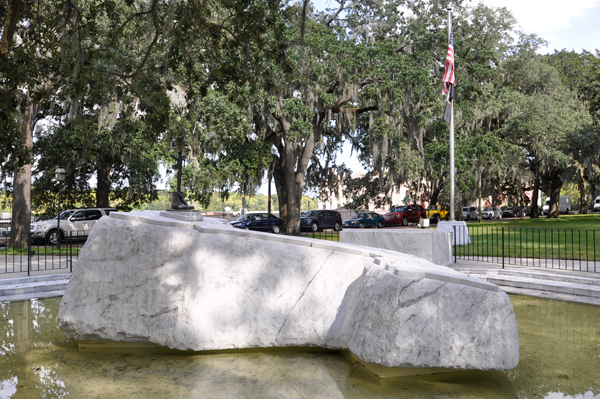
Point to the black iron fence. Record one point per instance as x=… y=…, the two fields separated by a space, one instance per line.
x=21 y=253
x=549 y=248
x=330 y=235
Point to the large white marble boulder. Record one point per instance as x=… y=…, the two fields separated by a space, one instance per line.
x=206 y=286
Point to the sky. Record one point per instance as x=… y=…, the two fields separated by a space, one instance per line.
x=571 y=25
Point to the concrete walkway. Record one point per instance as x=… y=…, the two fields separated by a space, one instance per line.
x=563 y=284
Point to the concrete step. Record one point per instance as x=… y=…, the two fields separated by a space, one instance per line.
x=545 y=285
x=28 y=296
x=593 y=279
x=17 y=289
x=538 y=284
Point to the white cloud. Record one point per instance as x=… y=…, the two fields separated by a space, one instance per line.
x=540 y=15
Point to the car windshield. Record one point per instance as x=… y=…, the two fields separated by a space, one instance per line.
x=434 y=207
x=358 y=216
x=65 y=215
x=310 y=214
x=400 y=209
x=246 y=217
x=488 y=209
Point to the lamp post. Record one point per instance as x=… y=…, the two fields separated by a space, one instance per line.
x=59 y=174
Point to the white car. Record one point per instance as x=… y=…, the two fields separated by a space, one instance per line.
x=491 y=213
x=73 y=222
x=596 y=206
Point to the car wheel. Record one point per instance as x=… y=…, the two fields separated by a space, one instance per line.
x=437 y=218
x=379 y=225
x=362 y=225
x=467 y=218
x=404 y=222
x=53 y=237
x=276 y=229
x=314 y=228
x=337 y=226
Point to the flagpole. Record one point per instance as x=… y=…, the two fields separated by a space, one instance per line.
x=452 y=218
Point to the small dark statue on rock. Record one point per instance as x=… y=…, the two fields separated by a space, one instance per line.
x=178 y=203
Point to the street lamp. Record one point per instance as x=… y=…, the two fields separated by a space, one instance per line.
x=59 y=175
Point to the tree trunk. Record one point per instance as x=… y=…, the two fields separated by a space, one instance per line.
x=556 y=184
x=103 y=184
x=10 y=26
x=494 y=192
x=535 y=195
x=281 y=188
x=21 y=210
x=269 y=193
x=294 y=192
x=435 y=193
x=581 y=185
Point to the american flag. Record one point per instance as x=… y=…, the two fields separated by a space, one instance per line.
x=449 y=72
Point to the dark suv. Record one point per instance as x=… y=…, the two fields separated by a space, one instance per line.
x=321 y=219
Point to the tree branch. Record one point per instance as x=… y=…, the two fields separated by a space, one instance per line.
x=334 y=16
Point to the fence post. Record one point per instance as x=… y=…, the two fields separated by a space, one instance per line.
x=503 y=247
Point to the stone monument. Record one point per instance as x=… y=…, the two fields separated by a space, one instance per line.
x=203 y=285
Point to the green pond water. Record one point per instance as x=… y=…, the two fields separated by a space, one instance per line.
x=560 y=358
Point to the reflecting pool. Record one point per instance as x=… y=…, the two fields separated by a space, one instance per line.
x=560 y=358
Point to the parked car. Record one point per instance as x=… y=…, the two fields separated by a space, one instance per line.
x=365 y=219
x=4 y=237
x=321 y=219
x=512 y=212
x=596 y=206
x=260 y=221
x=73 y=222
x=491 y=213
x=405 y=214
x=438 y=212
x=470 y=213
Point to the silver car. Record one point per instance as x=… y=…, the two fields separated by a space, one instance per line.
x=73 y=223
x=491 y=213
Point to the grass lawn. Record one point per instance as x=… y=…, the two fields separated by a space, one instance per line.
x=41 y=251
x=569 y=237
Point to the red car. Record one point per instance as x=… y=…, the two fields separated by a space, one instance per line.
x=405 y=214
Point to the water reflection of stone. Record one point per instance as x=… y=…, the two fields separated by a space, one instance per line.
x=559 y=359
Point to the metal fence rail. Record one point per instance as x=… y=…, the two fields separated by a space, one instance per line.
x=549 y=248
x=21 y=253
x=328 y=234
